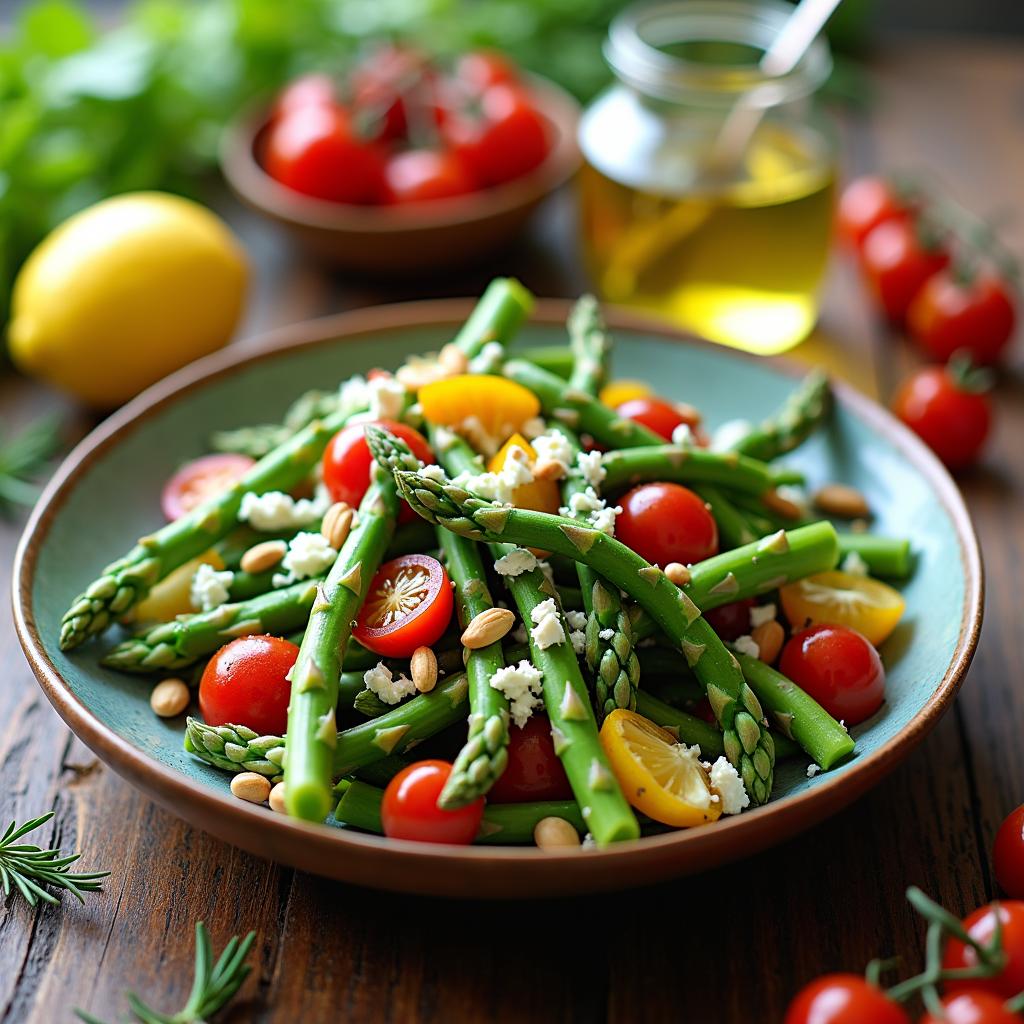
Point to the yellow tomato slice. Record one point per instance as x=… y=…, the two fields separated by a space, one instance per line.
x=619 y=391
x=171 y=596
x=659 y=777
x=843 y=599
x=500 y=406
x=540 y=495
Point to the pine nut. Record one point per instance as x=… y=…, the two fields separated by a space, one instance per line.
x=277 y=798
x=776 y=503
x=169 y=698
x=677 y=573
x=264 y=556
x=250 y=786
x=842 y=501
x=548 y=469
x=549 y=833
x=769 y=637
x=336 y=524
x=453 y=359
x=487 y=628
x=423 y=669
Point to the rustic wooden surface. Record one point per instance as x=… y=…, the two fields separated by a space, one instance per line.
x=728 y=947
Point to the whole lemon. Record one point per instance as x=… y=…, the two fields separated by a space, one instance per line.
x=123 y=293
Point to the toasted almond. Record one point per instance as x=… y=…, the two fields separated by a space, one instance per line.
x=780 y=505
x=453 y=359
x=678 y=573
x=769 y=637
x=336 y=524
x=550 y=833
x=250 y=786
x=423 y=669
x=489 y=626
x=548 y=469
x=169 y=698
x=277 y=798
x=264 y=556
x=842 y=501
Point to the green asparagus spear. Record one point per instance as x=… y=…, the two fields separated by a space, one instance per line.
x=556 y=359
x=502 y=308
x=801 y=413
x=884 y=556
x=263 y=438
x=734 y=529
x=590 y=346
x=689 y=728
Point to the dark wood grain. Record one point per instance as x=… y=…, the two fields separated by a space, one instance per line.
x=729 y=946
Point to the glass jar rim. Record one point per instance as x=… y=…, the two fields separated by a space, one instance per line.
x=636 y=37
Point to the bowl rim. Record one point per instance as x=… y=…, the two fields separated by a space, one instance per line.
x=247 y=177
x=540 y=872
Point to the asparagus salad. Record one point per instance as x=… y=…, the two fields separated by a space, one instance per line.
x=496 y=599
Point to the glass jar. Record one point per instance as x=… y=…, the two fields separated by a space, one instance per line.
x=734 y=251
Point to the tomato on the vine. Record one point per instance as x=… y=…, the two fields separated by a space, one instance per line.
x=409 y=809
x=245 y=683
x=950 y=315
x=316 y=90
x=981 y=926
x=658 y=415
x=973 y=1008
x=386 y=84
x=424 y=174
x=666 y=522
x=201 y=479
x=408 y=605
x=864 y=204
x=838 y=668
x=1008 y=854
x=481 y=69
x=947 y=412
x=534 y=771
x=897 y=262
x=843 y=999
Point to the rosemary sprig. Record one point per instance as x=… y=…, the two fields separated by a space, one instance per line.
x=21 y=457
x=212 y=989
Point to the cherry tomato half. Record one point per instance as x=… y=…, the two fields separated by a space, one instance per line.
x=731 y=621
x=534 y=771
x=953 y=421
x=948 y=315
x=347 y=462
x=897 y=263
x=424 y=174
x=973 y=1008
x=981 y=927
x=409 y=605
x=865 y=203
x=315 y=90
x=843 y=999
x=666 y=523
x=658 y=415
x=410 y=811
x=1008 y=854
x=838 y=668
x=200 y=479
x=245 y=683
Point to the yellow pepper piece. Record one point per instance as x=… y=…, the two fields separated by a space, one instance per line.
x=658 y=776
x=171 y=596
x=843 y=599
x=500 y=407
x=616 y=392
x=540 y=495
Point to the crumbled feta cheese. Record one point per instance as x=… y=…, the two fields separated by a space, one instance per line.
x=473 y=430
x=488 y=359
x=515 y=562
x=516 y=468
x=683 y=435
x=812 y=770
x=762 y=613
x=576 y=619
x=308 y=554
x=554 y=446
x=589 y=842
x=591 y=468
x=583 y=501
x=746 y=644
x=276 y=511
x=547 y=630
x=444 y=438
x=386 y=397
x=380 y=681
x=854 y=564
x=729 y=786
x=729 y=434
x=578 y=639
x=549 y=573
x=353 y=394
x=210 y=588
x=606 y=634
x=435 y=473
x=499 y=486
x=603 y=520
x=521 y=685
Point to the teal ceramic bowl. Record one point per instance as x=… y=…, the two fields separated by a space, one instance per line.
x=107 y=493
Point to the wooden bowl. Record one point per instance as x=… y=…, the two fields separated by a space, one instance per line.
x=399 y=240
x=107 y=492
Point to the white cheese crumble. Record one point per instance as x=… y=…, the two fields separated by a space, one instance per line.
x=488 y=359
x=855 y=565
x=729 y=786
x=576 y=619
x=729 y=434
x=210 y=588
x=583 y=501
x=515 y=562
x=683 y=435
x=386 y=397
x=761 y=614
x=603 y=520
x=308 y=554
x=276 y=511
x=578 y=639
x=519 y=634
x=554 y=446
x=473 y=430
x=516 y=468
x=746 y=644
x=812 y=770
x=380 y=681
x=499 y=486
x=549 y=573
x=435 y=473
x=547 y=630
x=591 y=468
x=353 y=394
x=521 y=685
x=606 y=634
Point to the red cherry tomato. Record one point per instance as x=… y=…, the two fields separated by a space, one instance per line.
x=315 y=150
x=484 y=68
x=838 y=668
x=408 y=605
x=953 y=421
x=307 y=91
x=245 y=683
x=666 y=523
x=731 y=621
x=1008 y=854
x=424 y=174
x=897 y=264
x=508 y=139
x=200 y=479
x=390 y=89
x=865 y=203
x=534 y=771
x=948 y=315
x=658 y=415
x=980 y=926
x=410 y=811
x=347 y=462
x=973 y=1008
x=843 y=999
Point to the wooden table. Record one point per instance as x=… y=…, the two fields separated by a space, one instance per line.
x=731 y=946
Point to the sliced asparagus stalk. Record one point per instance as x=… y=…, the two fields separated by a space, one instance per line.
x=801 y=413
x=884 y=556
